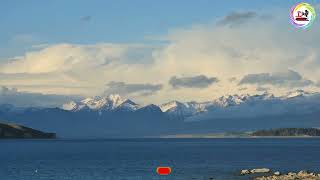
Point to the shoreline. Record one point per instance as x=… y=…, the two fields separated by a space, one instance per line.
x=232 y=137
x=268 y=174
x=165 y=137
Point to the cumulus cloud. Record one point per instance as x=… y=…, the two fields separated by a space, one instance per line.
x=26 y=99
x=235 y=18
x=232 y=79
x=290 y=78
x=49 y=83
x=72 y=57
x=132 y=89
x=242 y=89
x=66 y=66
x=210 y=49
x=200 y=81
x=259 y=88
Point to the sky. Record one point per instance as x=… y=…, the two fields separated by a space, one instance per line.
x=153 y=51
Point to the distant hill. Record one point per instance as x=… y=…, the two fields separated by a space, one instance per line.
x=288 y=132
x=8 y=131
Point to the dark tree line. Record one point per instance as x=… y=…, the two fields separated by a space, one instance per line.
x=288 y=132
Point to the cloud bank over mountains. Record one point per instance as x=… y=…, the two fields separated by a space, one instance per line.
x=289 y=79
x=200 y=81
x=238 y=51
x=123 y=88
x=28 y=99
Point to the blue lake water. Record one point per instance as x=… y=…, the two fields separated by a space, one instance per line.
x=137 y=159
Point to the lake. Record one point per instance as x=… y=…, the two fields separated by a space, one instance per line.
x=137 y=159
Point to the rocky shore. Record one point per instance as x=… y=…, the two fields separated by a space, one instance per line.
x=277 y=175
x=302 y=175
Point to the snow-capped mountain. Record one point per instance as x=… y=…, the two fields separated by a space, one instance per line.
x=70 y=106
x=233 y=100
x=184 y=110
x=244 y=105
x=230 y=100
x=297 y=93
x=111 y=102
x=120 y=117
x=181 y=110
x=150 y=108
x=253 y=106
x=128 y=105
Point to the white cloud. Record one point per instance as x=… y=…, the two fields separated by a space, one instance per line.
x=212 y=50
x=63 y=67
x=26 y=99
x=64 y=58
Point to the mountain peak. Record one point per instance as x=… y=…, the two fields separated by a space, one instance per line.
x=115 y=97
x=297 y=93
x=170 y=105
x=128 y=105
x=232 y=100
x=98 y=103
x=150 y=108
x=70 y=106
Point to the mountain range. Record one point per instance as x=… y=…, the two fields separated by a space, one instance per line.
x=115 y=116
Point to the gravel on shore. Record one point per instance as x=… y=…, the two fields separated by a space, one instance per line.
x=302 y=175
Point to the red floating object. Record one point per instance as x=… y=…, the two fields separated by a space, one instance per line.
x=163 y=170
